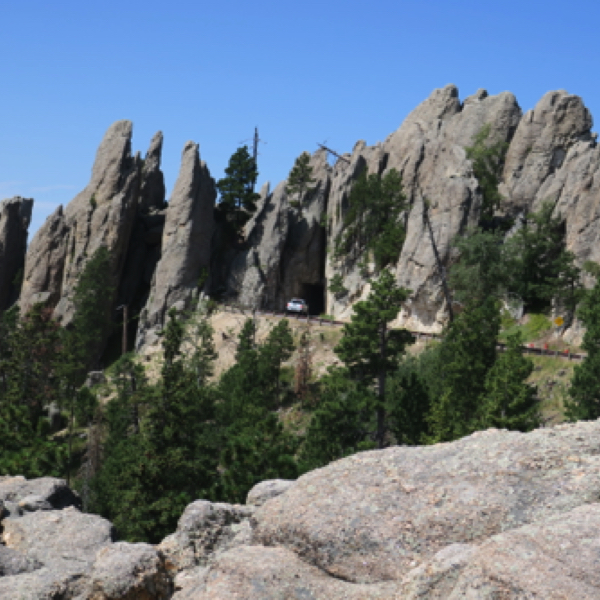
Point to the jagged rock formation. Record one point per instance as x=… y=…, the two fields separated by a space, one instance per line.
x=552 y=156
x=159 y=253
x=185 y=244
x=102 y=214
x=286 y=246
x=15 y=215
x=496 y=514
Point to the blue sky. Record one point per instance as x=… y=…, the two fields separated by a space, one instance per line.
x=303 y=72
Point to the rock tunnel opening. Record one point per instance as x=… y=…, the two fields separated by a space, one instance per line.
x=314 y=294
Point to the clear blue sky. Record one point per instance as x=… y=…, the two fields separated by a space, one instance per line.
x=303 y=72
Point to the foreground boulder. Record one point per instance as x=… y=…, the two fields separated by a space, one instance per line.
x=497 y=514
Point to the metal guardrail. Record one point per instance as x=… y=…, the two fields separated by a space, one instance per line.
x=527 y=349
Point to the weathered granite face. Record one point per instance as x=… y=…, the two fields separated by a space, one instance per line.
x=185 y=244
x=428 y=152
x=496 y=514
x=540 y=145
x=100 y=215
x=15 y=216
x=286 y=246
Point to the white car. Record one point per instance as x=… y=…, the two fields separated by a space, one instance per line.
x=296 y=305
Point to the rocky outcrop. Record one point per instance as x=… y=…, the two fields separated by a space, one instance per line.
x=496 y=514
x=101 y=215
x=428 y=150
x=285 y=246
x=15 y=215
x=186 y=240
x=122 y=208
x=544 y=137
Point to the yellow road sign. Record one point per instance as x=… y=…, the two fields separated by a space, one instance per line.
x=559 y=321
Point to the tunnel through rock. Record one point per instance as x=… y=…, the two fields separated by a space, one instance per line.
x=314 y=294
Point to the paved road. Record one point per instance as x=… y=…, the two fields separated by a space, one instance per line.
x=527 y=348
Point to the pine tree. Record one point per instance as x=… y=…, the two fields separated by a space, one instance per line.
x=238 y=198
x=465 y=356
x=487 y=157
x=199 y=334
x=373 y=221
x=303 y=371
x=300 y=179
x=369 y=348
x=585 y=384
x=277 y=348
x=343 y=422
x=408 y=404
x=481 y=270
x=151 y=474
x=509 y=402
x=539 y=266
x=83 y=341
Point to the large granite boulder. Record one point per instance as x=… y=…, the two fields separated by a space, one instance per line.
x=258 y=573
x=495 y=515
x=373 y=516
x=186 y=240
x=205 y=529
x=60 y=546
x=125 y=571
x=19 y=495
x=15 y=216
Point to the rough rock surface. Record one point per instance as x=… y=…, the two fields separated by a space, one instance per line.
x=497 y=514
x=204 y=529
x=265 y=490
x=44 y=493
x=428 y=150
x=13 y=562
x=257 y=573
x=541 y=142
x=185 y=244
x=286 y=245
x=65 y=538
x=15 y=215
x=129 y=572
x=100 y=215
x=373 y=516
x=63 y=543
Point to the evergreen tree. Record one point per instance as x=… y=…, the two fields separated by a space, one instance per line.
x=199 y=334
x=277 y=349
x=343 y=422
x=300 y=179
x=253 y=452
x=481 y=270
x=508 y=402
x=238 y=198
x=539 y=266
x=28 y=360
x=149 y=477
x=373 y=221
x=466 y=354
x=487 y=157
x=369 y=348
x=408 y=404
x=257 y=447
x=585 y=384
x=83 y=341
